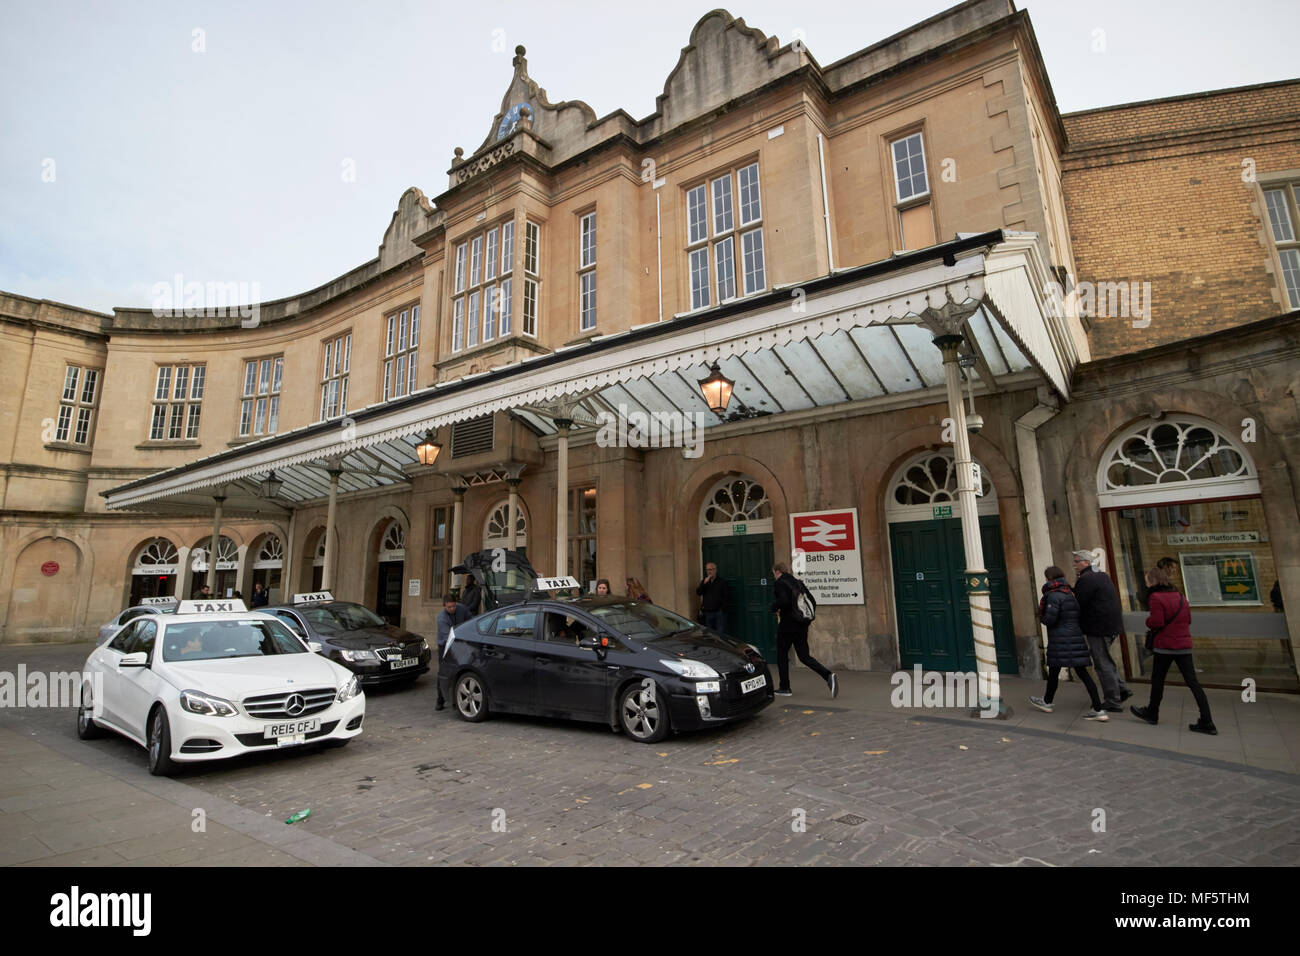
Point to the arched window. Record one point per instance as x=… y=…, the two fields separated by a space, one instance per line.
x=495 y=529
x=227 y=554
x=736 y=501
x=159 y=556
x=271 y=554
x=393 y=545
x=1178 y=458
x=929 y=481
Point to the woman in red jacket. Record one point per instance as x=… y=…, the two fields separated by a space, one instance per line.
x=1171 y=619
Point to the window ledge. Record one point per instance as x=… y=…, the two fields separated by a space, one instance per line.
x=169 y=443
x=67 y=446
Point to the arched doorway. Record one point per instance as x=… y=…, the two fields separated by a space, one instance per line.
x=928 y=559
x=227 y=565
x=154 y=570
x=736 y=535
x=496 y=527
x=268 y=566
x=392 y=565
x=1182 y=491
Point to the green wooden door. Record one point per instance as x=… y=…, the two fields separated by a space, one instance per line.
x=745 y=564
x=930 y=595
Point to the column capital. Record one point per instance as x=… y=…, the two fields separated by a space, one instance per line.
x=949 y=344
x=459 y=490
x=563 y=424
x=514 y=483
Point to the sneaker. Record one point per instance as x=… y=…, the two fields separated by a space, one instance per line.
x=1144 y=713
x=1099 y=715
x=1125 y=694
x=1202 y=727
x=784 y=693
x=1112 y=708
x=1041 y=704
x=835 y=686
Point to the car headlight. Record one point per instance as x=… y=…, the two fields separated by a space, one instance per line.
x=691 y=670
x=207 y=705
x=350 y=690
x=359 y=655
x=758 y=655
x=424 y=646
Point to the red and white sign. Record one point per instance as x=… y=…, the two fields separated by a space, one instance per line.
x=826 y=544
x=50 y=568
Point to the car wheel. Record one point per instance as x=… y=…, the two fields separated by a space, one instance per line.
x=643 y=716
x=87 y=729
x=471 y=698
x=160 y=744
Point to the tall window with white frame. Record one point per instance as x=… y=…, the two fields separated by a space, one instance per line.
x=1283 y=205
x=912 y=192
x=77 y=405
x=334 y=377
x=587 y=272
x=259 y=408
x=482 y=287
x=724 y=237
x=401 y=348
x=178 y=402
x=532 y=275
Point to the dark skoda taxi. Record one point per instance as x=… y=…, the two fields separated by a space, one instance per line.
x=357 y=638
x=639 y=668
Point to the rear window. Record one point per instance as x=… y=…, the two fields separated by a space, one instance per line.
x=209 y=640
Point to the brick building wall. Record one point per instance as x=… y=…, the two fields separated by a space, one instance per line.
x=1166 y=192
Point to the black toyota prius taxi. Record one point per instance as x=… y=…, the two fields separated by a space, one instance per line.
x=638 y=667
x=355 y=637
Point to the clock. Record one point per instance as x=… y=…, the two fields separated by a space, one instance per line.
x=511 y=120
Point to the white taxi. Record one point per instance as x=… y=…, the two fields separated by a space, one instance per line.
x=213 y=681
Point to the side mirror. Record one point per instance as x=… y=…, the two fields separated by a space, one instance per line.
x=315 y=646
x=138 y=659
x=591 y=643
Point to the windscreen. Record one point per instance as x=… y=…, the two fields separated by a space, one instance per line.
x=341 y=617
x=640 y=620
x=208 y=640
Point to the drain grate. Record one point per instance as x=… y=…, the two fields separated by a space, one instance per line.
x=851 y=819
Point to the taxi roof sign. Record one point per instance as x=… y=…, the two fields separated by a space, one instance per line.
x=149 y=601
x=212 y=606
x=556 y=584
x=312 y=597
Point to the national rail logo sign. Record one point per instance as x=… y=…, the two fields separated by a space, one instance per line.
x=832 y=562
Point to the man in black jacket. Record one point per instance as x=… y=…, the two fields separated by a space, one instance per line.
x=1101 y=620
x=713 y=599
x=792 y=631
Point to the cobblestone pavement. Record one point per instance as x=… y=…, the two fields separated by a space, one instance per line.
x=796 y=785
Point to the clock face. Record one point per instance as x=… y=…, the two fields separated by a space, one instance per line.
x=510 y=120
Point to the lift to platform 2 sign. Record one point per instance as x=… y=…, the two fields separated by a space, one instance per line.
x=832 y=557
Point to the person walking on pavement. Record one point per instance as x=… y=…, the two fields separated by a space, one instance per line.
x=602 y=587
x=713 y=599
x=792 y=631
x=260 y=596
x=636 y=592
x=1066 y=646
x=1171 y=620
x=1100 y=618
x=453 y=614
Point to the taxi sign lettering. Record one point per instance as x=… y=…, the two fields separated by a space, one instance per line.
x=211 y=607
x=312 y=597
x=158 y=600
x=556 y=584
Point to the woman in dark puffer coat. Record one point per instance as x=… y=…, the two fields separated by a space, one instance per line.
x=1066 y=645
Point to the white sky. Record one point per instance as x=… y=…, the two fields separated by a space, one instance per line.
x=227 y=165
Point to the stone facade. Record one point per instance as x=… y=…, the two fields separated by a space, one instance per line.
x=997 y=155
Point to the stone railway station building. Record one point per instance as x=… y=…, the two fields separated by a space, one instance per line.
x=1124 y=282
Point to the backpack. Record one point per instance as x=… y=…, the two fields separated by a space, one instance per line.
x=805 y=607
